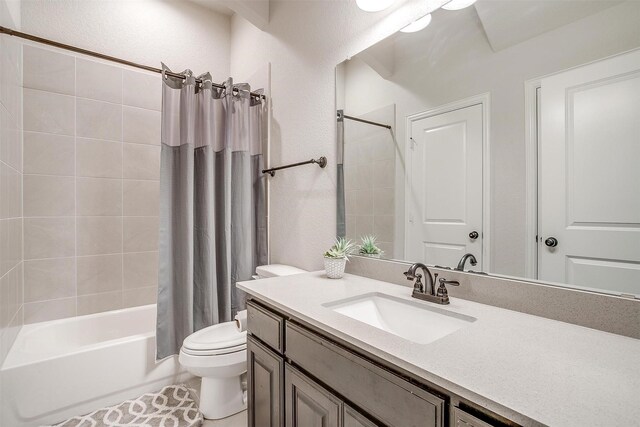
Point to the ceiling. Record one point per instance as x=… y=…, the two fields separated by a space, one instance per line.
x=496 y=24
x=219 y=6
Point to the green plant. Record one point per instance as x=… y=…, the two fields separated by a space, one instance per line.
x=342 y=248
x=368 y=246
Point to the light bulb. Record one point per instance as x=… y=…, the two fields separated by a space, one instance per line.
x=417 y=25
x=458 y=4
x=374 y=5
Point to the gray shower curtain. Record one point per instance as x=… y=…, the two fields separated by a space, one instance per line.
x=213 y=229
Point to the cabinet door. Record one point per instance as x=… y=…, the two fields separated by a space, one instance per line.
x=265 y=374
x=353 y=418
x=308 y=404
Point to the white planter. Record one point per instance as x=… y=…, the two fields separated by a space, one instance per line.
x=335 y=267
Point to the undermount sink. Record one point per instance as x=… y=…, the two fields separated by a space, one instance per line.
x=412 y=320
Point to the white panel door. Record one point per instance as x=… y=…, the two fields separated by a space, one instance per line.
x=589 y=178
x=444 y=188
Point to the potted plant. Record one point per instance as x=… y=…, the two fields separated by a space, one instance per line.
x=369 y=247
x=335 y=259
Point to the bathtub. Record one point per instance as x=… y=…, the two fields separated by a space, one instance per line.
x=68 y=367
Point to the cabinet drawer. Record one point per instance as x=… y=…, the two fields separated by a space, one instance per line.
x=265 y=325
x=463 y=419
x=378 y=392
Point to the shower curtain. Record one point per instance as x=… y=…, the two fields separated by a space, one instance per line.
x=213 y=227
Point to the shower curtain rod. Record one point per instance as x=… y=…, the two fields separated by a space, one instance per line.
x=341 y=115
x=10 y=32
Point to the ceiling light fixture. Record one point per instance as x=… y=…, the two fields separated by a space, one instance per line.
x=417 y=25
x=458 y=4
x=374 y=5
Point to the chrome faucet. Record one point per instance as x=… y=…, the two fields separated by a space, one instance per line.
x=463 y=260
x=428 y=292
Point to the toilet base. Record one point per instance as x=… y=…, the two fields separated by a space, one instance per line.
x=221 y=397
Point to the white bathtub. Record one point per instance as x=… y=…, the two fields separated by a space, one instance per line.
x=68 y=367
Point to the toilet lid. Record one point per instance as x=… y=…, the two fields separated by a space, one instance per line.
x=223 y=336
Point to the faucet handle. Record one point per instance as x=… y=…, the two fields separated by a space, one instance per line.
x=444 y=281
x=418 y=286
x=442 y=289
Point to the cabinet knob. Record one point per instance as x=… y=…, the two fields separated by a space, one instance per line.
x=473 y=235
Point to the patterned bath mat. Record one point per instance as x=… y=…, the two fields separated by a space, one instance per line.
x=170 y=407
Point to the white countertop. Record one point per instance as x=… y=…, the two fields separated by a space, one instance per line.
x=520 y=366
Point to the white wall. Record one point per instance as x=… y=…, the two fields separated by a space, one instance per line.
x=430 y=82
x=303 y=42
x=179 y=33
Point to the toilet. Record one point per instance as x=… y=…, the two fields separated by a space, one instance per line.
x=218 y=354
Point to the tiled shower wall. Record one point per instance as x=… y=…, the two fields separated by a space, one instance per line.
x=11 y=265
x=369 y=179
x=91 y=182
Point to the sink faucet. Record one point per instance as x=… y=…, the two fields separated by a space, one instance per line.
x=417 y=286
x=428 y=292
x=463 y=260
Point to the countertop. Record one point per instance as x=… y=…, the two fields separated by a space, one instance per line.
x=526 y=368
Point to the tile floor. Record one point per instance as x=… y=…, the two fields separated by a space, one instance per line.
x=237 y=420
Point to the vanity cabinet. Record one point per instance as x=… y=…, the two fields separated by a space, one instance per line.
x=265 y=373
x=308 y=403
x=297 y=377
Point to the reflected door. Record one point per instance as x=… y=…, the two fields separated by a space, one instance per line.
x=444 y=188
x=589 y=177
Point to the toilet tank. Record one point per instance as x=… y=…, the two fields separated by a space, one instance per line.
x=276 y=270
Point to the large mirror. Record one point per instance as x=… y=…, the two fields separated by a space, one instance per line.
x=509 y=130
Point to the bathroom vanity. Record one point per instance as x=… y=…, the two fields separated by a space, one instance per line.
x=362 y=352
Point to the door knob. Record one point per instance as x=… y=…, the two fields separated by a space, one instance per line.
x=552 y=242
x=473 y=235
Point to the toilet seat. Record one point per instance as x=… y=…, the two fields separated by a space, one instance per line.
x=222 y=338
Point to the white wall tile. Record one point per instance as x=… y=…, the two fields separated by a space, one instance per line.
x=141 y=198
x=10 y=244
x=383 y=201
x=10 y=141
x=96 y=158
x=140 y=296
x=48 y=195
x=98 y=81
x=140 y=269
x=10 y=192
x=11 y=76
x=101 y=273
x=141 y=126
x=142 y=90
x=140 y=234
x=48 y=154
x=10 y=295
x=99 y=196
x=42 y=311
x=49 y=237
x=48 y=112
x=47 y=279
x=141 y=161
x=98 y=303
x=97 y=119
x=48 y=70
x=99 y=235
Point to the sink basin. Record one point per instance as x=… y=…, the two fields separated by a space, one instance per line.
x=412 y=320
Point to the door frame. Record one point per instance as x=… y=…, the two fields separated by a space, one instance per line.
x=531 y=147
x=483 y=100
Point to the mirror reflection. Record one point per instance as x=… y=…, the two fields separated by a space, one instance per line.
x=505 y=134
